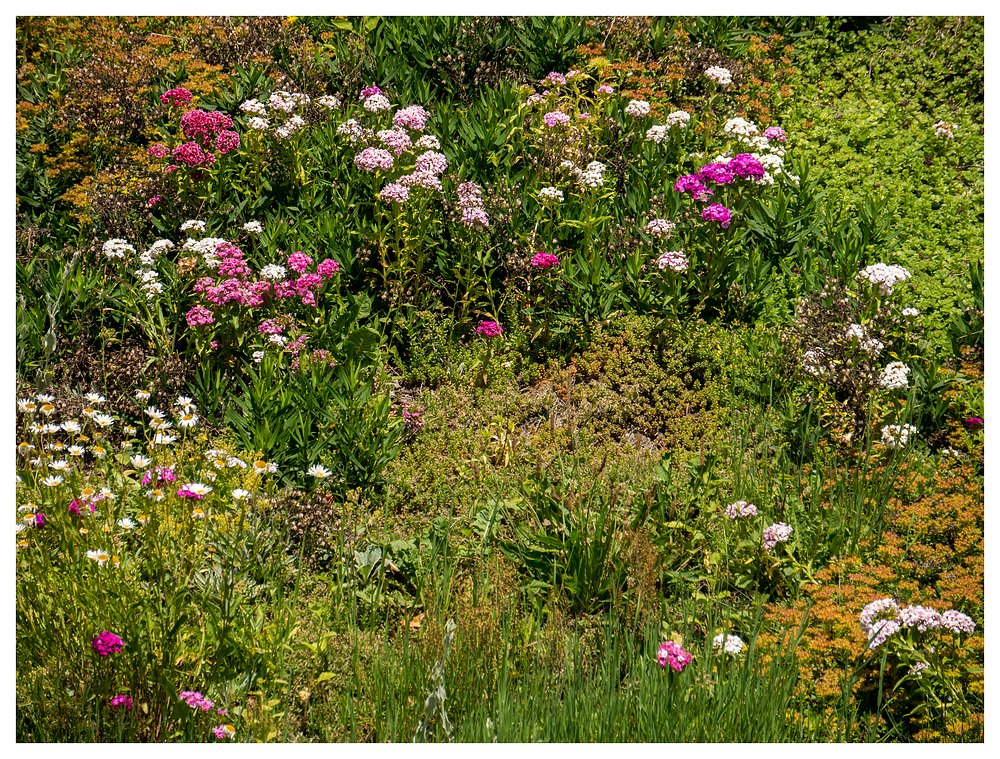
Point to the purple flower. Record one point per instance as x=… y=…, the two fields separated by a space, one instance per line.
x=107 y=643
x=720 y=173
x=717 y=212
x=673 y=654
x=39 y=519
x=367 y=92
x=488 y=328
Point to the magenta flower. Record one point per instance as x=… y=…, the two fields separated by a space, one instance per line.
x=178 y=96
x=40 y=519
x=367 y=92
x=974 y=421
x=717 y=212
x=488 y=328
x=544 y=260
x=227 y=141
x=158 y=150
x=673 y=654
x=195 y=700
x=191 y=154
x=692 y=184
x=299 y=261
x=122 y=700
x=746 y=166
x=327 y=268
x=720 y=173
x=606 y=89
x=107 y=643
x=199 y=316
x=555 y=78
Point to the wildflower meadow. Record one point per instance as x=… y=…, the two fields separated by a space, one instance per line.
x=480 y=379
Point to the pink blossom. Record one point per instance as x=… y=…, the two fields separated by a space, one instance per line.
x=371 y=159
x=414 y=117
x=178 y=96
x=673 y=654
x=555 y=118
x=327 y=268
x=158 y=150
x=717 y=212
x=543 y=260
x=395 y=193
x=107 y=643
x=489 y=328
x=199 y=316
x=227 y=141
x=299 y=261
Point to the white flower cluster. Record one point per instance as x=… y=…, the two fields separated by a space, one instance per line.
x=147 y=257
x=897 y=435
x=328 y=101
x=740 y=127
x=550 y=195
x=258 y=124
x=592 y=176
x=353 y=130
x=273 y=272
x=678 y=119
x=868 y=344
x=657 y=133
x=291 y=127
x=910 y=312
x=660 y=228
x=195 y=224
x=253 y=106
x=287 y=101
x=376 y=103
x=812 y=362
x=719 y=75
x=205 y=248
x=149 y=282
x=945 y=130
x=886 y=276
x=428 y=142
x=895 y=376
x=117 y=248
x=637 y=108
x=731 y=644
x=254 y=227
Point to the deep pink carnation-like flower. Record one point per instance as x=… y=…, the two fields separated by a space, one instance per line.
x=690 y=183
x=227 y=141
x=107 y=643
x=199 y=316
x=191 y=154
x=327 y=268
x=488 y=328
x=158 y=150
x=674 y=655
x=720 y=173
x=299 y=261
x=543 y=260
x=974 y=421
x=717 y=212
x=178 y=96
x=367 y=92
x=746 y=166
x=122 y=700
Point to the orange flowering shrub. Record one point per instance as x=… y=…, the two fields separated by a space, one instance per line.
x=930 y=554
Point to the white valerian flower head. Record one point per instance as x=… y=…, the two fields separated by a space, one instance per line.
x=895 y=376
x=731 y=644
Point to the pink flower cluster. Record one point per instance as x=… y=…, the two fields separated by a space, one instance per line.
x=159 y=474
x=395 y=193
x=299 y=262
x=372 y=159
x=675 y=260
x=199 y=316
x=367 y=92
x=470 y=201
x=414 y=117
x=543 y=260
x=424 y=179
x=555 y=118
x=76 y=503
x=196 y=700
x=158 y=150
x=692 y=184
x=413 y=417
x=717 y=212
x=107 y=643
x=192 y=154
x=883 y=618
x=397 y=140
x=674 y=655
x=489 y=328
x=431 y=162
x=176 y=97
x=741 y=510
x=776 y=533
x=775 y=133
x=185 y=491
x=205 y=125
x=554 y=78
x=327 y=268
x=121 y=700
